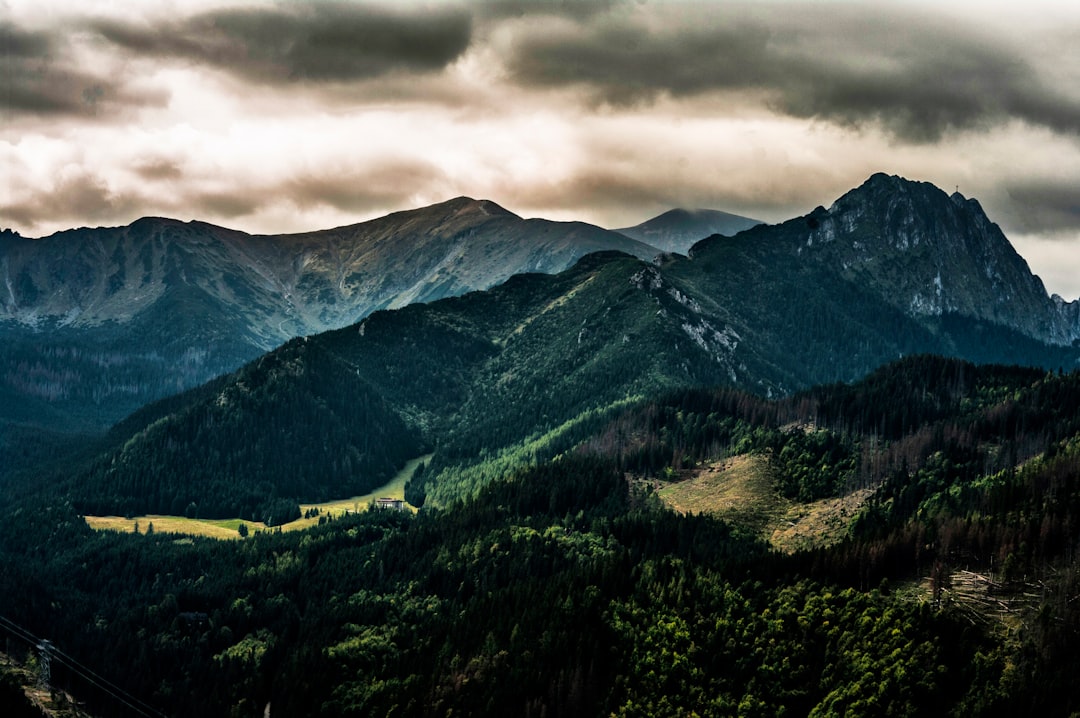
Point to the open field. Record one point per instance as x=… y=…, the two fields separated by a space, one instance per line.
x=229 y=528
x=738 y=489
x=741 y=490
x=222 y=529
x=394 y=489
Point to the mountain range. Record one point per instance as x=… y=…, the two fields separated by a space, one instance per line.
x=729 y=480
x=501 y=378
x=97 y=322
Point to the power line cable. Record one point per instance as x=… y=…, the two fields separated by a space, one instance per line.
x=108 y=688
x=18 y=631
x=85 y=673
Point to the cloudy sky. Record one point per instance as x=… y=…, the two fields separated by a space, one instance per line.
x=289 y=116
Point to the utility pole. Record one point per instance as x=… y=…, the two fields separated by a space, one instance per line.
x=45 y=664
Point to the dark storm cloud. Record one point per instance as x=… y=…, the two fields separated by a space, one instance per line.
x=627 y=62
x=80 y=197
x=1041 y=206
x=916 y=78
x=19 y=43
x=325 y=42
x=367 y=186
x=607 y=188
x=579 y=9
x=38 y=77
x=229 y=204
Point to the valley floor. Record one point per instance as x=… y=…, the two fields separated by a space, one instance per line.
x=230 y=528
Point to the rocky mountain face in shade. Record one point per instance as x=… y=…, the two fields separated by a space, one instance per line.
x=928 y=254
x=97 y=322
x=678 y=229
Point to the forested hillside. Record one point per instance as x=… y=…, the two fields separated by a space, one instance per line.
x=323 y=432
x=780 y=376
x=497 y=380
x=568 y=588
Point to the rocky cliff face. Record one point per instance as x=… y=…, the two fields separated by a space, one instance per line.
x=930 y=254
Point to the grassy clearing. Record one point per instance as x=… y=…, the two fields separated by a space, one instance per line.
x=394 y=489
x=818 y=523
x=229 y=528
x=741 y=490
x=220 y=529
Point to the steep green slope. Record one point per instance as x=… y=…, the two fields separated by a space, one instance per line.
x=521 y=373
x=499 y=379
x=321 y=431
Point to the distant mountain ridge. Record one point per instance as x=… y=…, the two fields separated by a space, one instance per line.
x=501 y=378
x=678 y=229
x=327 y=278
x=114 y=318
x=97 y=322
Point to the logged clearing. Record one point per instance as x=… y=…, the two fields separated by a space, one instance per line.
x=741 y=490
x=738 y=489
x=819 y=523
x=229 y=528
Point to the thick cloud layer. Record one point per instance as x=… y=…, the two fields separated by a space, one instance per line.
x=321 y=42
x=39 y=77
x=918 y=79
x=272 y=116
x=1047 y=204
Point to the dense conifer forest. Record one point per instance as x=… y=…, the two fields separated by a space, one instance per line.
x=569 y=588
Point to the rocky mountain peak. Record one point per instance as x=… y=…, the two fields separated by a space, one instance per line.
x=930 y=253
x=480 y=206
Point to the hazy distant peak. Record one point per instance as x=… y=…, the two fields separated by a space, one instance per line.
x=467 y=205
x=676 y=230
